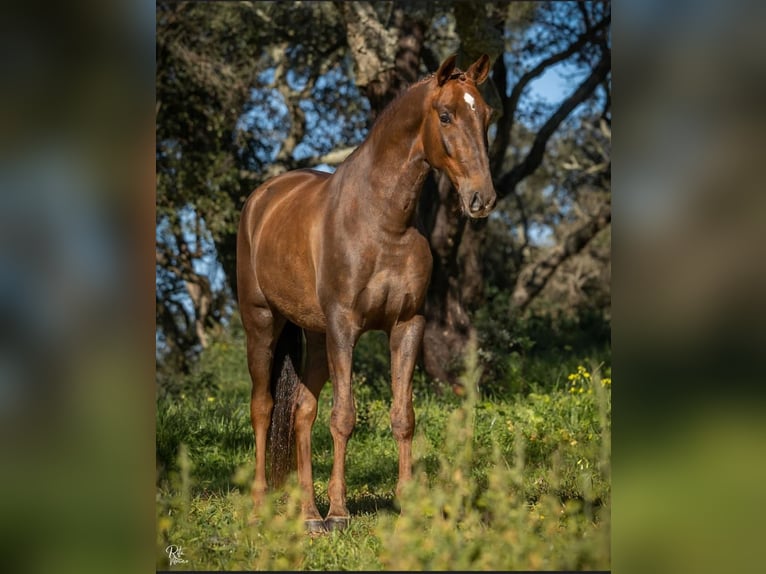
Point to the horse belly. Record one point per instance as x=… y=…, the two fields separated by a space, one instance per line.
x=301 y=308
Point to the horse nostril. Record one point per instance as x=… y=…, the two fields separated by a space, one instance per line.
x=475 y=202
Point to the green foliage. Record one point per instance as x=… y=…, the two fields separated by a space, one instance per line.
x=521 y=482
x=518 y=350
x=497 y=505
x=371 y=362
x=209 y=411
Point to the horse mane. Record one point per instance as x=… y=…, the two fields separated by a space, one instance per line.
x=388 y=110
x=393 y=104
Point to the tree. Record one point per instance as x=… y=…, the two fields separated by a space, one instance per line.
x=304 y=68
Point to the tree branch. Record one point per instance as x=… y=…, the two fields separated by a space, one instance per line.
x=293 y=98
x=511 y=103
x=372 y=45
x=535 y=277
x=335 y=157
x=535 y=156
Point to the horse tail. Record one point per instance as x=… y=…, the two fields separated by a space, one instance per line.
x=288 y=357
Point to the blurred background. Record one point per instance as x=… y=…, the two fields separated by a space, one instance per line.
x=246 y=90
x=76 y=213
x=689 y=277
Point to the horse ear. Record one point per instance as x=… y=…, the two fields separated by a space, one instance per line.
x=446 y=69
x=479 y=70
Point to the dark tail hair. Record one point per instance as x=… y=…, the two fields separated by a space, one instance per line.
x=288 y=357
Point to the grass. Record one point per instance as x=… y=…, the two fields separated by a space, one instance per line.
x=515 y=482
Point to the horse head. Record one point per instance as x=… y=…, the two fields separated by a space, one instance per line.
x=455 y=134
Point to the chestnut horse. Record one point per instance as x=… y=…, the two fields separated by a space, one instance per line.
x=329 y=257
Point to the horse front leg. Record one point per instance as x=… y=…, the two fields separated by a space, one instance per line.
x=341 y=339
x=316 y=375
x=405 y=341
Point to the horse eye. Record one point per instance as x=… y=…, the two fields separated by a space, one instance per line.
x=444 y=117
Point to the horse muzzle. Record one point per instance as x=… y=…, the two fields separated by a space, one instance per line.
x=479 y=204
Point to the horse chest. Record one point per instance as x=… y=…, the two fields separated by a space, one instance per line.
x=396 y=287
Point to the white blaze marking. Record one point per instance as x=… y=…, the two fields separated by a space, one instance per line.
x=469 y=100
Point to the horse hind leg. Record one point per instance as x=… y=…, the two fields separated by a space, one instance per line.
x=261 y=328
x=315 y=376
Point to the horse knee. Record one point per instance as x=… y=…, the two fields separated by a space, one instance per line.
x=403 y=423
x=305 y=410
x=342 y=422
x=261 y=405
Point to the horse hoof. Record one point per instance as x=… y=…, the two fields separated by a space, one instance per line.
x=337 y=522
x=315 y=526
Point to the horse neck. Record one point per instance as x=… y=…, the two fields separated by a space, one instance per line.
x=390 y=166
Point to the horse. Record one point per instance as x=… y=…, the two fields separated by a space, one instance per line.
x=326 y=257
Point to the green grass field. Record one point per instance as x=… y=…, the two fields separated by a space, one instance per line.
x=512 y=482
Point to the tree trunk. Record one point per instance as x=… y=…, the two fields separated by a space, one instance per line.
x=456 y=280
x=387 y=58
x=534 y=277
